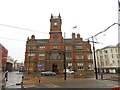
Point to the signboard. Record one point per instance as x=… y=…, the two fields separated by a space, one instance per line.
x=39 y=65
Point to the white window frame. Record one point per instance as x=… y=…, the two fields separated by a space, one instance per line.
x=31 y=54
x=69 y=64
x=42 y=54
x=89 y=56
x=81 y=65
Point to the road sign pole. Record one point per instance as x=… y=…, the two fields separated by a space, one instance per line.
x=39 y=75
x=39 y=67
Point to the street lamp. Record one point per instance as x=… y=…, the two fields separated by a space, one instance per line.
x=64 y=59
x=15 y=64
x=94 y=58
x=119 y=5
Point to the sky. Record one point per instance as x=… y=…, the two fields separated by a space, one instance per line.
x=90 y=17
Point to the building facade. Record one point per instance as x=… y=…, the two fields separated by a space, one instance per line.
x=10 y=63
x=3 y=55
x=108 y=59
x=50 y=52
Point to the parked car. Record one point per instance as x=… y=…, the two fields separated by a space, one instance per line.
x=116 y=88
x=69 y=71
x=48 y=73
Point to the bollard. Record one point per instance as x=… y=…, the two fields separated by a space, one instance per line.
x=22 y=79
x=101 y=76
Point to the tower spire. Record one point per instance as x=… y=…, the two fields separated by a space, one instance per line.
x=51 y=15
x=59 y=15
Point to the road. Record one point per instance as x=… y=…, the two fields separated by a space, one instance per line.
x=76 y=84
x=15 y=77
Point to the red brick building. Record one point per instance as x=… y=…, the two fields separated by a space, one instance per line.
x=50 y=52
x=3 y=56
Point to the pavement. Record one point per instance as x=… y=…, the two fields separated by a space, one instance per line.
x=50 y=79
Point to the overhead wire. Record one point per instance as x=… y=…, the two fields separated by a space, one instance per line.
x=11 y=39
x=21 y=29
x=103 y=31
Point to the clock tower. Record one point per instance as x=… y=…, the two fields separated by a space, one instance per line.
x=55 y=29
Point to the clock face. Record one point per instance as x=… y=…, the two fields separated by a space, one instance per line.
x=55 y=23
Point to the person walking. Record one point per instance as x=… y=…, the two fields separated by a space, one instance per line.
x=6 y=76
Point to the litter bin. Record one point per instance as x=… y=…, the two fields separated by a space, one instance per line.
x=101 y=75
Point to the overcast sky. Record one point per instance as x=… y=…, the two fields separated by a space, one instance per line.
x=90 y=16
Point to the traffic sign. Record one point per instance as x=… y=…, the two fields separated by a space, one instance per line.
x=39 y=65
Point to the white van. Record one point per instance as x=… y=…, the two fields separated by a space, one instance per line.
x=68 y=71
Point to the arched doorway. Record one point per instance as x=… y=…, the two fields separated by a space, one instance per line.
x=55 y=68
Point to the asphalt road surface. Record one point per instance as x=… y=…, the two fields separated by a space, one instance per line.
x=15 y=77
x=76 y=84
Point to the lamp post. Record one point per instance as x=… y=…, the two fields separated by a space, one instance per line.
x=15 y=64
x=119 y=5
x=64 y=59
x=94 y=58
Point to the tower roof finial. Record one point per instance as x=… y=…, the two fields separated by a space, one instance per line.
x=51 y=15
x=59 y=15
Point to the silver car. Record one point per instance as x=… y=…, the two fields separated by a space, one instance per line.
x=48 y=73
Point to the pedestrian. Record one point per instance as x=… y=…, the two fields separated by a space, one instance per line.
x=6 y=76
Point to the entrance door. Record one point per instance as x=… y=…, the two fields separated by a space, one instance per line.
x=54 y=68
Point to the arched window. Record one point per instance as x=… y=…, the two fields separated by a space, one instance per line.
x=55 y=39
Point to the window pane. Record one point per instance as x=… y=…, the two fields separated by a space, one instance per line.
x=80 y=66
x=42 y=47
x=69 y=64
x=89 y=56
x=42 y=54
x=78 y=47
x=55 y=39
x=68 y=56
x=68 y=47
x=32 y=54
x=89 y=66
x=79 y=56
x=55 y=56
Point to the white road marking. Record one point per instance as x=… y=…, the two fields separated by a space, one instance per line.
x=51 y=85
